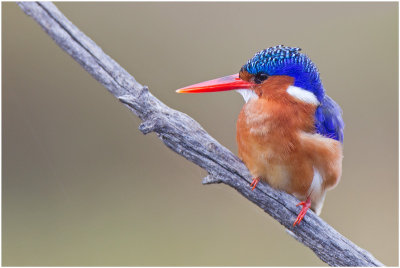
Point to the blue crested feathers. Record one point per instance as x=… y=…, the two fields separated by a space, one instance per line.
x=282 y=60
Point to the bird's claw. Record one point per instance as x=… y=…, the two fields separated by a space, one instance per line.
x=254 y=183
x=306 y=205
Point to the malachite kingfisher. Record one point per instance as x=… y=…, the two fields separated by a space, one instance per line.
x=289 y=132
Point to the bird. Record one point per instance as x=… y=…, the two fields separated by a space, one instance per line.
x=289 y=132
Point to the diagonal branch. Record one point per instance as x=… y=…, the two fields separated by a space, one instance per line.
x=186 y=137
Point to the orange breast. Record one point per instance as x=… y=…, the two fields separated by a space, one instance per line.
x=270 y=141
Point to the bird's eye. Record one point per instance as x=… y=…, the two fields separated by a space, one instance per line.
x=260 y=77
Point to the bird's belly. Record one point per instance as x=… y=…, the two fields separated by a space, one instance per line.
x=278 y=175
x=288 y=171
x=273 y=153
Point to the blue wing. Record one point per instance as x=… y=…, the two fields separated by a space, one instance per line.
x=328 y=119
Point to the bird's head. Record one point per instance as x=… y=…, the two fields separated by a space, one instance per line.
x=267 y=69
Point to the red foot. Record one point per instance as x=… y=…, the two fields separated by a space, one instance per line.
x=306 y=205
x=254 y=183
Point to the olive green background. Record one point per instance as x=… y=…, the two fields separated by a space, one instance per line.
x=82 y=186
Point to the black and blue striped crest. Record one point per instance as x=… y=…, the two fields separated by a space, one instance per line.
x=282 y=60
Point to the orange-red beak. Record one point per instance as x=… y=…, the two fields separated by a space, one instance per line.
x=230 y=82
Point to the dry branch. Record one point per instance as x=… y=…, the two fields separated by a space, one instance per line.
x=186 y=137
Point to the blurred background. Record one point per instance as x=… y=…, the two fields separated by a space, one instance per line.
x=82 y=186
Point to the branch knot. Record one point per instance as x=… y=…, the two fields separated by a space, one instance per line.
x=152 y=124
x=211 y=180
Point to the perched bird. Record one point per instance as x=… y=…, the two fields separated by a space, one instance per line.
x=289 y=132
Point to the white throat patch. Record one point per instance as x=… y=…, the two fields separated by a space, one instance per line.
x=302 y=94
x=247 y=94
